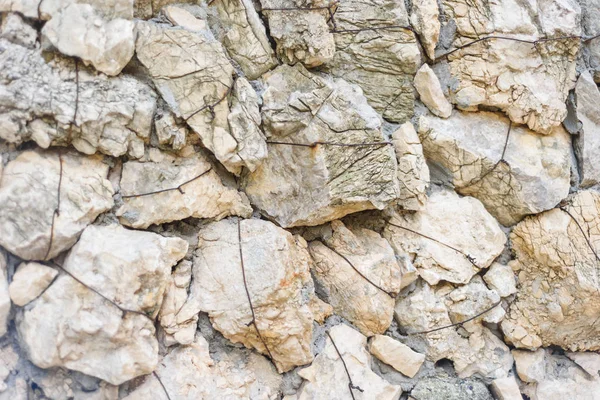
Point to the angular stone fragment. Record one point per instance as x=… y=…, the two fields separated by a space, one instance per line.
x=472 y=299
x=79 y=31
x=46 y=9
x=4 y=295
x=530 y=83
x=531 y=365
x=176 y=295
x=190 y=373
x=396 y=354
x=202 y=194
x=535 y=173
x=359 y=273
x=450 y=239
x=591 y=28
x=130 y=268
x=29 y=196
x=589 y=361
x=301 y=35
x=243 y=35
x=69 y=104
x=276 y=274
x=413 y=172
x=381 y=61
x=501 y=278
x=587 y=143
x=327 y=378
x=430 y=91
x=86 y=333
x=424 y=18
x=168 y=131
x=9 y=360
x=304 y=185
x=30 y=280
x=558 y=300
x=16 y=30
x=506 y=389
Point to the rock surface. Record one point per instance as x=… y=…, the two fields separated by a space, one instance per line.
x=535 y=173
x=396 y=354
x=29 y=196
x=4 y=296
x=587 y=144
x=175 y=297
x=303 y=185
x=501 y=278
x=30 y=280
x=430 y=91
x=424 y=18
x=46 y=9
x=506 y=389
x=443 y=387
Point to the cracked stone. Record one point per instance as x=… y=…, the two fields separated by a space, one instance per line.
x=16 y=30
x=587 y=143
x=30 y=280
x=430 y=91
x=534 y=176
x=501 y=278
x=396 y=354
x=424 y=18
x=299 y=185
x=168 y=131
x=29 y=196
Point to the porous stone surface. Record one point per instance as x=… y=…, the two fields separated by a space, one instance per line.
x=30 y=280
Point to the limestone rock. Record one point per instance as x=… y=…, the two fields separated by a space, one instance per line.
x=204 y=196
x=243 y=35
x=168 y=131
x=530 y=83
x=46 y=9
x=506 y=389
x=29 y=195
x=460 y=222
x=301 y=35
x=30 y=280
x=381 y=61
x=587 y=143
x=424 y=18
x=85 y=332
x=472 y=299
x=300 y=185
x=179 y=16
x=79 y=31
x=430 y=91
x=531 y=366
x=348 y=266
x=396 y=354
x=535 y=173
x=9 y=360
x=501 y=278
x=326 y=378
x=4 y=296
x=558 y=298
x=276 y=268
x=130 y=268
x=176 y=295
x=413 y=172
x=591 y=27
x=16 y=30
x=443 y=387
x=70 y=104
x=589 y=361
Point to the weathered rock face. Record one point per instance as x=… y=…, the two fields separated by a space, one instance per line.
x=48 y=8
x=396 y=354
x=275 y=273
x=30 y=280
x=29 y=196
x=326 y=378
x=157 y=199
x=176 y=295
x=189 y=372
x=587 y=144
x=16 y=30
x=424 y=18
x=535 y=172
x=4 y=296
x=450 y=239
x=130 y=268
x=529 y=82
x=557 y=299
x=381 y=61
x=430 y=91
x=305 y=185
x=360 y=276
x=444 y=387
x=591 y=27
x=86 y=333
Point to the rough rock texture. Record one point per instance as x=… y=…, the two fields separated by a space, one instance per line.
x=103 y=253
x=413 y=172
x=30 y=280
x=48 y=8
x=16 y=30
x=359 y=274
x=558 y=297
x=424 y=18
x=501 y=278
x=4 y=296
x=535 y=173
x=396 y=354
x=61 y=102
x=86 y=333
x=275 y=273
x=29 y=196
x=530 y=83
x=506 y=389
x=175 y=297
x=326 y=378
x=443 y=387
x=587 y=143
x=447 y=220
x=591 y=28
x=430 y=91
x=204 y=196
x=302 y=185
x=77 y=30
x=381 y=61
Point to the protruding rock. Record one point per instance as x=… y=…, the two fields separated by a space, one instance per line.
x=413 y=172
x=147 y=199
x=78 y=31
x=506 y=389
x=274 y=272
x=501 y=278
x=359 y=273
x=450 y=239
x=472 y=299
x=85 y=332
x=396 y=354
x=424 y=18
x=531 y=366
x=327 y=377
x=513 y=175
x=304 y=184
x=29 y=196
x=16 y=30
x=559 y=293
x=589 y=361
x=30 y=280
x=381 y=61
x=587 y=143
x=176 y=295
x=130 y=268
x=430 y=91
x=168 y=131
x=4 y=296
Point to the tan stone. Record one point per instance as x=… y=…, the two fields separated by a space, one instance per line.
x=430 y=91
x=30 y=280
x=506 y=389
x=396 y=354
